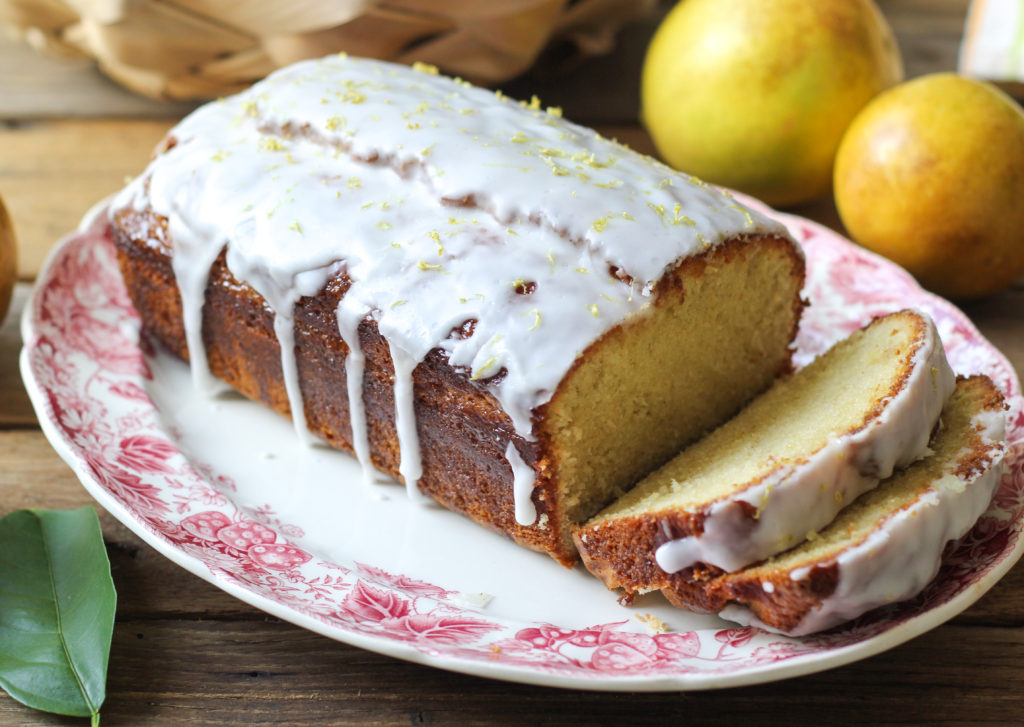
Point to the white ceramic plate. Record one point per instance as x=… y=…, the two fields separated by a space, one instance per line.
x=222 y=487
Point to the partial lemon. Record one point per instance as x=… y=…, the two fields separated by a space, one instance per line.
x=931 y=175
x=8 y=260
x=756 y=94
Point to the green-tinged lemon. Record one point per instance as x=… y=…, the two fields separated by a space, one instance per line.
x=756 y=94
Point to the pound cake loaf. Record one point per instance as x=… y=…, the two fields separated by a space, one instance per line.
x=887 y=545
x=514 y=316
x=781 y=468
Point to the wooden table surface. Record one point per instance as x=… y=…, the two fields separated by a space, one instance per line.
x=186 y=653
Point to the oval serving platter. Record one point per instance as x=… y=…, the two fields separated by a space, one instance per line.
x=223 y=488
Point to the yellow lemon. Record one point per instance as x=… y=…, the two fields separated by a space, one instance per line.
x=8 y=260
x=931 y=175
x=756 y=94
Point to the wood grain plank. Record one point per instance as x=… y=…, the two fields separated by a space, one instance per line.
x=928 y=32
x=53 y=171
x=1000 y=318
x=171 y=673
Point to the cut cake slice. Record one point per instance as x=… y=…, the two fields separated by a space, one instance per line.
x=887 y=545
x=781 y=468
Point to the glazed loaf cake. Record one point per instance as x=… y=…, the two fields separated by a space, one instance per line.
x=780 y=469
x=513 y=315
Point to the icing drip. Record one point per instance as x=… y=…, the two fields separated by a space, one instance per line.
x=191 y=271
x=410 y=466
x=904 y=553
x=355 y=362
x=807 y=496
x=444 y=204
x=523 y=479
x=284 y=329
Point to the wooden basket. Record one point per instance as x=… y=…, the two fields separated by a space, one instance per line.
x=191 y=49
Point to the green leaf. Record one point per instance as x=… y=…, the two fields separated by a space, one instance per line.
x=56 y=610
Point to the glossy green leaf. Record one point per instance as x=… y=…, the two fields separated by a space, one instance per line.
x=56 y=610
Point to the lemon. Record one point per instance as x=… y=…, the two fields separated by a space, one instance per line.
x=755 y=94
x=931 y=175
x=8 y=260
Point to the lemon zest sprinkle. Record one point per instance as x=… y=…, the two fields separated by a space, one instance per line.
x=428 y=68
x=479 y=373
x=746 y=213
x=269 y=143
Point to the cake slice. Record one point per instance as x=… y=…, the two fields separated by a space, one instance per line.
x=783 y=467
x=888 y=544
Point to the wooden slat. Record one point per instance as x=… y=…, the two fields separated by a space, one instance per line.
x=1001 y=319
x=170 y=673
x=51 y=172
x=928 y=32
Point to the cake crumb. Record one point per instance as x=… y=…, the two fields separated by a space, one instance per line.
x=654 y=624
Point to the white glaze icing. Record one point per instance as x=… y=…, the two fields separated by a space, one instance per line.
x=410 y=466
x=806 y=496
x=522 y=486
x=355 y=365
x=443 y=203
x=903 y=553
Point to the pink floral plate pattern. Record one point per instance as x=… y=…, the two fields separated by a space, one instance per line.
x=95 y=386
